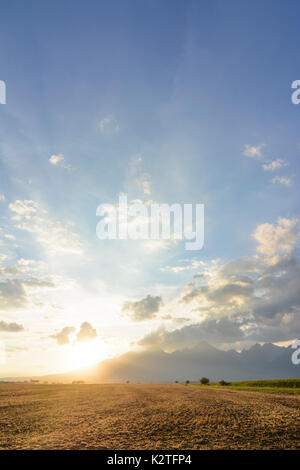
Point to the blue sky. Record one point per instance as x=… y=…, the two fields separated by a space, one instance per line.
x=183 y=85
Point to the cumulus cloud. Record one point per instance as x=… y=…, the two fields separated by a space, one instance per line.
x=86 y=332
x=280 y=237
x=250 y=299
x=253 y=151
x=59 y=160
x=282 y=180
x=109 y=125
x=56 y=159
x=63 y=336
x=144 y=309
x=53 y=235
x=11 y=327
x=274 y=165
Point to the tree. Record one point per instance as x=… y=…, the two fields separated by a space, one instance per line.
x=187 y=382
x=204 y=381
x=223 y=382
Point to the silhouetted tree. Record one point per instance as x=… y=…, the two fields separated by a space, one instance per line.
x=204 y=381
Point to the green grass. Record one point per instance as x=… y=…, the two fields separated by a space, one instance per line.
x=282 y=383
x=289 y=386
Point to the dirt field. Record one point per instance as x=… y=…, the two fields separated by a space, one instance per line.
x=139 y=416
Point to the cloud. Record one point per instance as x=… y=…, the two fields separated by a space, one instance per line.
x=222 y=331
x=86 y=332
x=56 y=159
x=109 y=126
x=281 y=237
x=142 y=179
x=192 y=264
x=11 y=327
x=59 y=160
x=22 y=209
x=15 y=293
x=53 y=235
x=274 y=165
x=12 y=295
x=282 y=180
x=258 y=296
x=2 y=197
x=253 y=151
x=63 y=336
x=144 y=309
x=22 y=266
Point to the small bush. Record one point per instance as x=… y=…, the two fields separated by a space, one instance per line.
x=204 y=381
x=187 y=382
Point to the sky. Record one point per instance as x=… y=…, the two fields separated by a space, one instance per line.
x=174 y=101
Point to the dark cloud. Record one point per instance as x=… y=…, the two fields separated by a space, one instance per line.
x=143 y=309
x=262 y=293
x=222 y=331
x=11 y=327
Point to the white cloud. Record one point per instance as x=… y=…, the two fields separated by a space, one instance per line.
x=2 y=197
x=22 y=266
x=23 y=209
x=274 y=165
x=109 y=125
x=59 y=160
x=277 y=238
x=53 y=235
x=192 y=264
x=282 y=180
x=253 y=151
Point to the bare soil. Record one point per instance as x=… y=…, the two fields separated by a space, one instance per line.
x=145 y=416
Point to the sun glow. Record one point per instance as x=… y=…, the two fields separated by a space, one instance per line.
x=86 y=354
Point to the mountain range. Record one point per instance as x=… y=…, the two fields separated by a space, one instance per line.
x=267 y=361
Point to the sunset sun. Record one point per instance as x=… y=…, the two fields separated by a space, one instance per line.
x=85 y=354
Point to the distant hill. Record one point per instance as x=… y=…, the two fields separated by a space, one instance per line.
x=266 y=361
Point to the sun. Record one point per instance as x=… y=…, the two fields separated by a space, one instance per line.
x=86 y=354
